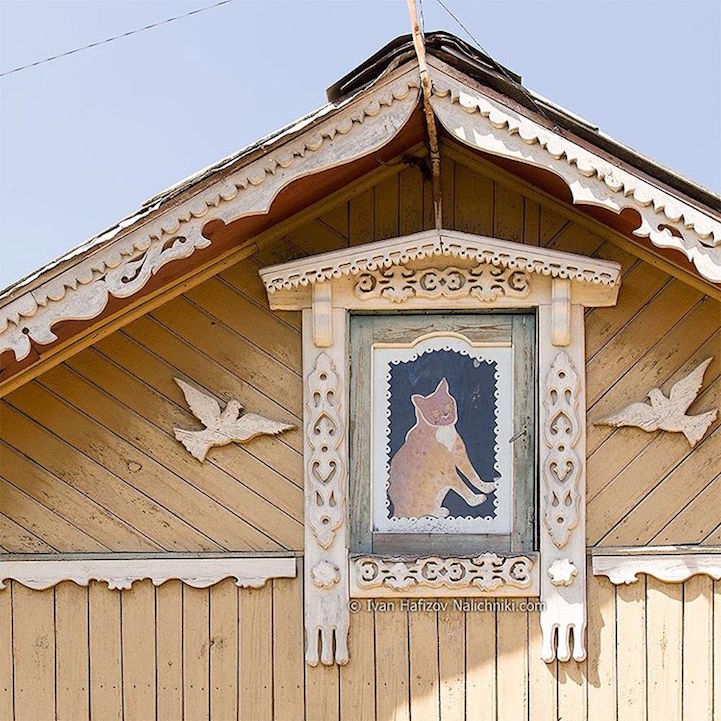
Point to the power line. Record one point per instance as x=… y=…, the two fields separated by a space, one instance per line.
x=497 y=65
x=115 y=37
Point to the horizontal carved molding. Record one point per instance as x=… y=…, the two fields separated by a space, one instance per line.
x=483 y=282
x=374 y=257
x=487 y=574
x=121 y=573
x=669 y=567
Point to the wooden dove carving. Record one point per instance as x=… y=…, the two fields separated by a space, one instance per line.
x=231 y=425
x=669 y=414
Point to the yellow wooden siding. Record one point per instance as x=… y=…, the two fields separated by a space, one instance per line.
x=89 y=462
x=223 y=653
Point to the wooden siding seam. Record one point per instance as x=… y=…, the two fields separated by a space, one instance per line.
x=659 y=482
x=647 y=304
x=690 y=500
x=169 y=470
x=107 y=470
x=177 y=405
x=52 y=512
x=185 y=341
x=30 y=533
x=126 y=441
x=240 y=336
x=71 y=489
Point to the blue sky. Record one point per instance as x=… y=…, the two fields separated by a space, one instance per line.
x=85 y=140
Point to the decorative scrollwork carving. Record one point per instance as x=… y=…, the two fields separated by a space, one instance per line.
x=326 y=468
x=486 y=572
x=483 y=282
x=561 y=466
x=562 y=572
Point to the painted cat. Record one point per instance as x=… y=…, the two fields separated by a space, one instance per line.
x=426 y=466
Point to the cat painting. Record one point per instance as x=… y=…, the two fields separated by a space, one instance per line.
x=431 y=459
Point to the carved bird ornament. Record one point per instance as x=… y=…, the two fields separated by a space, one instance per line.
x=231 y=425
x=669 y=414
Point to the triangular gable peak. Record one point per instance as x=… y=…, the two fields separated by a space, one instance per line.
x=97 y=285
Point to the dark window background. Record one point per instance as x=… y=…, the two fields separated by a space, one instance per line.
x=472 y=383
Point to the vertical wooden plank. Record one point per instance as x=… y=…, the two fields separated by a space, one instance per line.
x=423 y=663
x=452 y=663
x=391 y=672
x=138 y=647
x=256 y=656
x=448 y=173
x=531 y=222
x=473 y=202
x=698 y=648
x=71 y=652
x=357 y=678
x=106 y=675
x=386 y=208
x=512 y=664
x=481 y=664
x=34 y=653
x=321 y=693
x=288 y=656
x=196 y=645
x=508 y=214
x=601 y=648
x=169 y=649
x=631 y=651
x=360 y=218
x=664 y=631
x=224 y=651
x=6 y=653
x=572 y=690
x=410 y=201
x=717 y=649
x=542 y=676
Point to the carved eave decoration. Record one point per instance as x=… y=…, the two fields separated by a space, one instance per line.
x=121 y=267
x=444 y=270
x=482 y=121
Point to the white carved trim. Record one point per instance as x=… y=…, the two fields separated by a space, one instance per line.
x=671 y=568
x=121 y=573
x=123 y=267
x=483 y=282
x=325 y=422
x=491 y=126
x=485 y=575
x=562 y=444
x=562 y=510
x=373 y=257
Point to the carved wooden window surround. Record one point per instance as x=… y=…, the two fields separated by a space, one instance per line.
x=444 y=271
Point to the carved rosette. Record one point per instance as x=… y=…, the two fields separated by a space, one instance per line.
x=561 y=466
x=486 y=572
x=483 y=282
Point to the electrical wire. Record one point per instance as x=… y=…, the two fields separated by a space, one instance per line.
x=115 y=37
x=497 y=65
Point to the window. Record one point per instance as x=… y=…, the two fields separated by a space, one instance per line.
x=441 y=433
